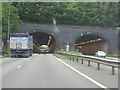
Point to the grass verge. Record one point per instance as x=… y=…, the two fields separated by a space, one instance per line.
x=5 y=53
x=71 y=52
x=60 y=56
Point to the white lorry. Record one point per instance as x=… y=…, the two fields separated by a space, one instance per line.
x=21 y=44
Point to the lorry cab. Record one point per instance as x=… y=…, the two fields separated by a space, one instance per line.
x=21 y=44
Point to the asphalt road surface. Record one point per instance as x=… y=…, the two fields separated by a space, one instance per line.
x=47 y=71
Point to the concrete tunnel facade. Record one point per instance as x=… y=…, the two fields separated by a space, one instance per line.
x=63 y=34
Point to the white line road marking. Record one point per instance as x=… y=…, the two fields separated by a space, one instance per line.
x=19 y=66
x=87 y=77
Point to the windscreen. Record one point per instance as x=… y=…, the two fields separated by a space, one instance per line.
x=22 y=40
x=18 y=42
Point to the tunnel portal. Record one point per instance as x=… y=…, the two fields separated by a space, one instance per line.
x=89 y=44
x=41 y=38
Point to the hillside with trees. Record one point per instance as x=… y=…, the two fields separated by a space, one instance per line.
x=14 y=19
x=103 y=14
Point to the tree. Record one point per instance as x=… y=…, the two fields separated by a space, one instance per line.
x=103 y=14
x=0 y=21
x=118 y=14
x=14 y=19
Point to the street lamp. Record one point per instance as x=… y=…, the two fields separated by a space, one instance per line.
x=8 y=35
x=35 y=25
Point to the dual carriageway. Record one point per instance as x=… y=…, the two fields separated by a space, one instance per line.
x=48 y=71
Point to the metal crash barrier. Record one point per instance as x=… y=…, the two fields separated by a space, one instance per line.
x=113 y=64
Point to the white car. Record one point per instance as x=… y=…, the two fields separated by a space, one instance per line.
x=100 y=54
x=42 y=50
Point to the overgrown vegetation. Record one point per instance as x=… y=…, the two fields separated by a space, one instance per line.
x=14 y=19
x=71 y=52
x=103 y=14
x=60 y=56
x=5 y=52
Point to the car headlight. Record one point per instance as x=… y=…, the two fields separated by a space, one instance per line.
x=24 y=46
x=13 y=46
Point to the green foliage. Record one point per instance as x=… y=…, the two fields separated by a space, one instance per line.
x=71 y=52
x=118 y=14
x=14 y=19
x=60 y=56
x=72 y=13
x=0 y=21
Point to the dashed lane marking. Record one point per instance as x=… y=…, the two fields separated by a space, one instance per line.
x=19 y=66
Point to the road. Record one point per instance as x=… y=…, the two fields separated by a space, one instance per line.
x=47 y=71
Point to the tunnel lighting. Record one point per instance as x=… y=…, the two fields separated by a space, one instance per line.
x=81 y=34
x=96 y=40
x=76 y=44
x=91 y=41
x=83 y=43
x=99 y=39
x=87 y=42
x=88 y=32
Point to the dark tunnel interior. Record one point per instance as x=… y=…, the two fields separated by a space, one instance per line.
x=89 y=44
x=41 y=38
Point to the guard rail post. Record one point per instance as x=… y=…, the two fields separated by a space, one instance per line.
x=73 y=58
x=77 y=59
x=88 y=62
x=81 y=61
x=113 y=70
x=98 y=66
x=70 y=57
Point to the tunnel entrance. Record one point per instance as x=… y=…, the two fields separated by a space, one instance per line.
x=89 y=44
x=42 y=38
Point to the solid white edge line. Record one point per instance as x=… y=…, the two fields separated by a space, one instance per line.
x=19 y=66
x=87 y=77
